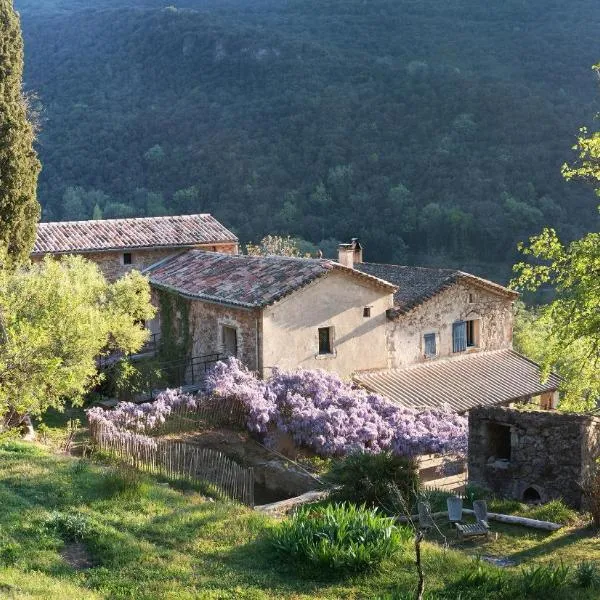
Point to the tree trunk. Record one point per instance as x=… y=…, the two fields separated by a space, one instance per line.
x=421 y=586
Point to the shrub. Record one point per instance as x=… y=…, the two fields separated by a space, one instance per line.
x=69 y=526
x=332 y=417
x=339 y=537
x=555 y=511
x=591 y=493
x=587 y=575
x=123 y=481
x=9 y=552
x=374 y=480
x=544 y=580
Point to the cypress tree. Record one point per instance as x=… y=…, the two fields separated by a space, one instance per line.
x=19 y=165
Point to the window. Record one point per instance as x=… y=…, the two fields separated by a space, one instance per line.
x=473 y=333
x=499 y=442
x=325 y=340
x=367 y=311
x=430 y=347
x=465 y=334
x=471 y=298
x=127 y=258
x=459 y=336
x=230 y=343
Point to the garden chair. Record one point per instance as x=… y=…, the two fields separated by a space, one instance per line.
x=480 y=527
x=425 y=517
x=455 y=506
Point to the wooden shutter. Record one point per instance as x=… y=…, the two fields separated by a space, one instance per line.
x=430 y=349
x=459 y=336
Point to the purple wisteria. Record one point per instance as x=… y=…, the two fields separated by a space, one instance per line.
x=143 y=417
x=333 y=418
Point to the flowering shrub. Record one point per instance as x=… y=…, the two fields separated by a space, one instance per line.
x=333 y=418
x=143 y=417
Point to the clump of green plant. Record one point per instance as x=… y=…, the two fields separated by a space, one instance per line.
x=591 y=493
x=340 y=537
x=9 y=552
x=481 y=581
x=587 y=574
x=544 y=580
x=125 y=481
x=71 y=527
x=384 y=480
x=555 y=511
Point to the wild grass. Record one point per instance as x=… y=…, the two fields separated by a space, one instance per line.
x=149 y=541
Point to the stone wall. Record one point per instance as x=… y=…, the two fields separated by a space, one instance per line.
x=206 y=323
x=518 y=454
x=460 y=302
x=111 y=263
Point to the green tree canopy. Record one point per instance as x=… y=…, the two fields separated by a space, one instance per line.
x=566 y=333
x=56 y=318
x=19 y=166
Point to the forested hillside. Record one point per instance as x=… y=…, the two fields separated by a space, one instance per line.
x=433 y=129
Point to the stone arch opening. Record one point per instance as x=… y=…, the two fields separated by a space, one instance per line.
x=532 y=496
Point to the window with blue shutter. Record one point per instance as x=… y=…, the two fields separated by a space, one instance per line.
x=430 y=349
x=459 y=336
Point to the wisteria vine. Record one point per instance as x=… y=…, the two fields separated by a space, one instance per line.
x=317 y=409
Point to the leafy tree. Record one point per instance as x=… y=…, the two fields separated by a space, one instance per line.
x=566 y=335
x=276 y=245
x=57 y=317
x=19 y=166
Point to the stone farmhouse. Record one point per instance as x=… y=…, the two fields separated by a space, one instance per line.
x=119 y=245
x=421 y=337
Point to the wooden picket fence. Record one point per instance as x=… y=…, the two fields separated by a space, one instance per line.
x=178 y=460
x=208 y=411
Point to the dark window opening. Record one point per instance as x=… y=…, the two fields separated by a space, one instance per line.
x=531 y=496
x=472 y=333
x=430 y=347
x=127 y=258
x=367 y=311
x=471 y=298
x=230 y=343
x=499 y=441
x=325 y=340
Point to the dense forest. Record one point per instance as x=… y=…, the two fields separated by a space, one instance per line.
x=433 y=129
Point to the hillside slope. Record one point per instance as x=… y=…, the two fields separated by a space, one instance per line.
x=433 y=130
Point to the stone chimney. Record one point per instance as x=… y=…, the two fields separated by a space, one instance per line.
x=350 y=254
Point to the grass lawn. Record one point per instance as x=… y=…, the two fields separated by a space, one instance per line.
x=146 y=540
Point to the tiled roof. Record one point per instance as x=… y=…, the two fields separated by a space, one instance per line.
x=248 y=281
x=461 y=383
x=418 y=284
x=117 y=234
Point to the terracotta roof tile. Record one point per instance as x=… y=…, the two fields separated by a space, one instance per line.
x=117 y=234
x=248 y=281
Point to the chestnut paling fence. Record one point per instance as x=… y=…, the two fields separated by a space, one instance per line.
x=182 y=460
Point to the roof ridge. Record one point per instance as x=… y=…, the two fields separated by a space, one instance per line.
x=158 y=218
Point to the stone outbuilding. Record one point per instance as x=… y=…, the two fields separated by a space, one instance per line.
x=532 y=456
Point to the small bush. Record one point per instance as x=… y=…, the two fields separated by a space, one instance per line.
x=9 y=552
x=71 y=527
x=482 y=581
x=123 y=481
x=375 y=480
x=587 y=575
x=555 y=511
x=339 y=537
x=544 y=580
x=591 y=493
